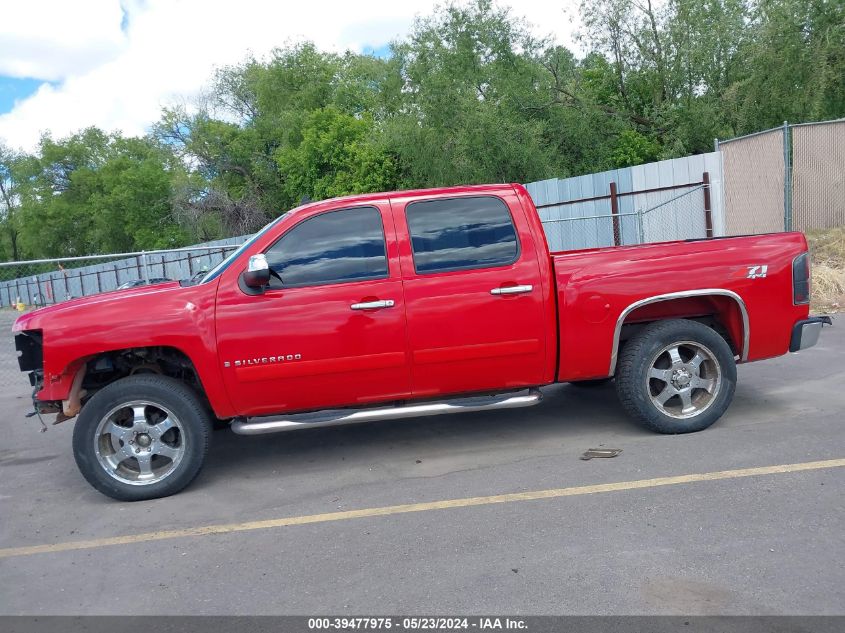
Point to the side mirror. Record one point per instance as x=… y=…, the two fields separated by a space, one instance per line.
x=257 y=274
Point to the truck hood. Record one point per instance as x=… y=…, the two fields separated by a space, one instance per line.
x=101 y=304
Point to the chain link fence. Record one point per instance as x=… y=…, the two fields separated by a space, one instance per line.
x=36 y=283
x=674 y=214
x=754 y=175
x=11 y=378
x=787 y=178
x=32 y=284
x=587 y=224
x=818 y=175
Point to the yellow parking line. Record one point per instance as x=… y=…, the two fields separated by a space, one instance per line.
x=420 y=507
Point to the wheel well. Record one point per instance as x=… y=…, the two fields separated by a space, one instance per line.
x=724 y=313
x=711 y=321
x=105 y=368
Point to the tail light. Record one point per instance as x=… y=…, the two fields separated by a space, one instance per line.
x=801 y=279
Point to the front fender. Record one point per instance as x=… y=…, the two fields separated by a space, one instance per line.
x=165 y=316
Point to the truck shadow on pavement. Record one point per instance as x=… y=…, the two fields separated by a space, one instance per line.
x=566 y=416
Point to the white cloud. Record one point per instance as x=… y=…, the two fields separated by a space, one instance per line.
x=51 y=40
x=119 y=79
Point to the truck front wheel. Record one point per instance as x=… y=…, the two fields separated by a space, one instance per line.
x=676 y=376
x=142 y=437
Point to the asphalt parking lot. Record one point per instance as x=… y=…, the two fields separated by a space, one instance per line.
x=747 y=542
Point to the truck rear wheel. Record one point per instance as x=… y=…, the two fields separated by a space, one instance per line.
x=676 y=376
x=142 y=437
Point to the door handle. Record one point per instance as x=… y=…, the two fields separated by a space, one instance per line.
x=373 y=305
x=512 y=290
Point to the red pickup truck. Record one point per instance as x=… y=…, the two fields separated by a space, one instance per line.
x=412 y=303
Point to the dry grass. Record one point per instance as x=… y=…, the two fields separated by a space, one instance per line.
x=827 y=248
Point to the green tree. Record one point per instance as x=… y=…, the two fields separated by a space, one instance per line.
x=471 y=109
x=336 y=157
x=794 y=67
x=93 y=193
x=634 y=148
x=9 y=222
x=259 y=111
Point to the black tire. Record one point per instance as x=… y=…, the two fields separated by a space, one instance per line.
x=639 y=394
x=192 y=435
x=591 y=384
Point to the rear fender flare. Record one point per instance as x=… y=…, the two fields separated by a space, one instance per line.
x=617 y=333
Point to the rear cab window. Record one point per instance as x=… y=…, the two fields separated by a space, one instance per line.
x=461 y=234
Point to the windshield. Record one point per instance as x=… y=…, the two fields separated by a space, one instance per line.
x=217 y=270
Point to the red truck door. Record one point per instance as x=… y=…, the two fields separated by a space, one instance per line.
x=332 y=331
x=473 y=295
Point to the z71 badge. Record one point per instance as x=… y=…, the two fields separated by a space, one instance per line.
x=757 y=272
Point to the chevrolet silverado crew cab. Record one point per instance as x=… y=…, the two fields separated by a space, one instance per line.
x=413 y=303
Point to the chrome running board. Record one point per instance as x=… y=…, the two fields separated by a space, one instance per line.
x=336 y=417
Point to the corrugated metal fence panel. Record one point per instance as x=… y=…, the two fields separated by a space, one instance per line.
x=713 y=166
x=684 y=217
x=576 y=234
x=628 y=224
x=681 y=219
x=546 y=192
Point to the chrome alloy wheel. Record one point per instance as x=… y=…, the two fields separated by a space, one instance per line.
x=139 y=443
x=683 y=379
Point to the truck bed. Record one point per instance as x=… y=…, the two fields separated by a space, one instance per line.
x=596 y=289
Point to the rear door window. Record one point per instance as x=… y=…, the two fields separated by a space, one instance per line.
x=461 y=234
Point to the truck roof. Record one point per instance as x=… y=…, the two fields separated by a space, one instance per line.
x=433 y=191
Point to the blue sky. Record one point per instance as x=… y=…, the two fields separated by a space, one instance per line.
x=382 y=52
x=14 y=89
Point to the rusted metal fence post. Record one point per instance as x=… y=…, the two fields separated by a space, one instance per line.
x=708 y=214
x=614 y=212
